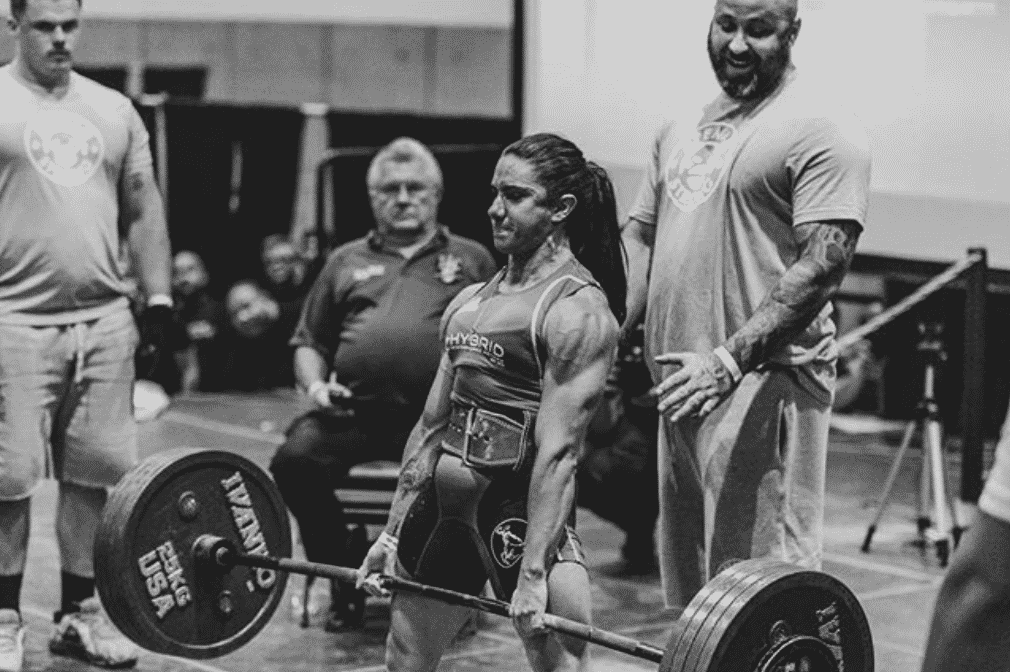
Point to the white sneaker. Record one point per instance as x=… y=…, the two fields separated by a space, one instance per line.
x=89 y=636
x=12 y=641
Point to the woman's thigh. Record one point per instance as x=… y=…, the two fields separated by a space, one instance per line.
x=420 y=629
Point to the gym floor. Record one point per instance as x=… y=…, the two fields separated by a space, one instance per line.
x=896 y=582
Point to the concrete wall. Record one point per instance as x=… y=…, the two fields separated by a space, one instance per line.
x=456 y=70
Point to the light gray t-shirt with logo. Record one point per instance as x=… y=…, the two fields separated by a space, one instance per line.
x=724 y=189
x=61 y=163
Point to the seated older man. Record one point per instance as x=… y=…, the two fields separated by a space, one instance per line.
x=367 y=347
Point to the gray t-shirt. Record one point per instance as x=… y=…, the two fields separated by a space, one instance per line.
x=61 y=163
x=724 y=189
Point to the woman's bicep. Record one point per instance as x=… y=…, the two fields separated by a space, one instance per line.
x=581 y=337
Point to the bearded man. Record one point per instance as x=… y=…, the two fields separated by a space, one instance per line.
x=742 y=231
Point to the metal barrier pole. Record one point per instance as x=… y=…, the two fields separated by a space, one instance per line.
x=973 y=394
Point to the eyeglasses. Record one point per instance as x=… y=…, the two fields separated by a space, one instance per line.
x=391 y=190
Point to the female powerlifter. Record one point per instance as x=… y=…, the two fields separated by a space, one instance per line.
x=487 y=487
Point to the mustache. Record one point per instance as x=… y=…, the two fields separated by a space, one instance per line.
x=722 y=57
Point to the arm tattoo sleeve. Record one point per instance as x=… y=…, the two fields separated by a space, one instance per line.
x=827 y=251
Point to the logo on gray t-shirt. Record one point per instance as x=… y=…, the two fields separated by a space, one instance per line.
x=697 y=164
x=64 y=146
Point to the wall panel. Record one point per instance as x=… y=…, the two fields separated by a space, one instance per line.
x=473 y=72
x=187 y=43
x=109 y=42
x=444 y=71
x=277 y=63
x=377 y=68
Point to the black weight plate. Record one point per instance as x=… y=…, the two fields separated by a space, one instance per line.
x=146 y=574
x=792 y=615
x=758 y=573
x=695 y=615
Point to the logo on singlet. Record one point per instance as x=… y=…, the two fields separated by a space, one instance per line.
x=697 y=164
x=64 y=146
x=508 y=539
x=473 y=342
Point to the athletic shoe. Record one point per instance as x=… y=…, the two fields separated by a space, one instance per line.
x=89 y=636
x=12 y=641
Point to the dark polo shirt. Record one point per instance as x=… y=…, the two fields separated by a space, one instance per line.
x=375 y=315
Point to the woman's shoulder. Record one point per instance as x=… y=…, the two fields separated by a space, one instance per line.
x=581 y=322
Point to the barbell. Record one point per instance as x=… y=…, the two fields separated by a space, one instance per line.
x=192 y=557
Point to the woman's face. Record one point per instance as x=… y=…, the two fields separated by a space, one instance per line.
x=521 y=218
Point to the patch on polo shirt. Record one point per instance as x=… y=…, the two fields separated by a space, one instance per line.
x=450 y=268
x=368 y=272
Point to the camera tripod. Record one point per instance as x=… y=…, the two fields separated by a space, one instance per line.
x=942 y=529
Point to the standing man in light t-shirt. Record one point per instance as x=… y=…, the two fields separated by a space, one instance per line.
x=742 y=231
x=75 y=166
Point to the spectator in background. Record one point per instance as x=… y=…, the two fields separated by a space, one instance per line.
x=367 y=348
x=254 y=353
x=198 y=321
x=284 y=270
x=284 y=273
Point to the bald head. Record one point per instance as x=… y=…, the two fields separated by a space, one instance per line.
x=750 y=45
x=787 y=9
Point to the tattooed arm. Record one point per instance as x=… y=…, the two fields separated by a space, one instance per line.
x=797 y=298
x=143 y=216
x=702 y=381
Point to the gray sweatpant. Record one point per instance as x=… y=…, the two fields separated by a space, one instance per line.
x=747 y=481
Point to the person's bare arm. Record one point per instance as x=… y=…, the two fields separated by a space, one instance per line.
x=638 y=240
x=188 y=364
x=143 y=215
x=310 y=366
x=826 y=251
x=421 y=451
x=972 y=614
x=581 y=345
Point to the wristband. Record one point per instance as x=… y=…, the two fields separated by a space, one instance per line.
x=159 y=300
x=727 y=360
x=388 y=540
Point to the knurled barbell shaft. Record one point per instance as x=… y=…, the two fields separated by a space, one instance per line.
x=222 y=553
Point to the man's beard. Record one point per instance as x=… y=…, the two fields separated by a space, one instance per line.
x=757 y=83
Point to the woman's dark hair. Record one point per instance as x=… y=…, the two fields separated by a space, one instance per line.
x=592 y=227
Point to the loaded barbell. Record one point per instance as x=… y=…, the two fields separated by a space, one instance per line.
x=192 y=557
